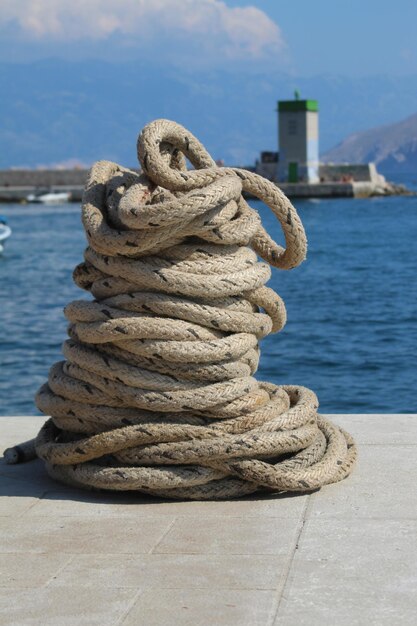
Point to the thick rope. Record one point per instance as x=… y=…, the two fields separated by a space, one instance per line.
x=157 y=391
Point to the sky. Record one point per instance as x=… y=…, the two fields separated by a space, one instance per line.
x=354 y=38
x=305 y=38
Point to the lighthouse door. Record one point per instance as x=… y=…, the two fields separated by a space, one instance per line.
x=293 y=172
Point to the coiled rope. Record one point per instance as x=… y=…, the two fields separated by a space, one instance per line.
x=157 y=391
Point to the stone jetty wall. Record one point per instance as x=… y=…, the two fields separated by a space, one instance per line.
x=43 y=178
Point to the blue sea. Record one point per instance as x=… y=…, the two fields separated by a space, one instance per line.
x=351 y=334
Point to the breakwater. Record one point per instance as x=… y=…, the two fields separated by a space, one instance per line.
x=17 y=184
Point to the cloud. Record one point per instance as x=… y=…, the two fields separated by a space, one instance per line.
x=208 y=27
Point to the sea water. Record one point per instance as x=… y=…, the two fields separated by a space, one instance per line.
x=351 y=334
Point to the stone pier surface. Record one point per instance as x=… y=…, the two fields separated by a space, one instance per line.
x=342 y=555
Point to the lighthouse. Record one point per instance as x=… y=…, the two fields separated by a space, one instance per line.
x=298 y=137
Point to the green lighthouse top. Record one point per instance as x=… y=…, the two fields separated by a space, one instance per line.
x=298 y=105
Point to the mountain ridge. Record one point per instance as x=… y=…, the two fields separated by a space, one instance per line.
x=392 y=147
x=54 y=111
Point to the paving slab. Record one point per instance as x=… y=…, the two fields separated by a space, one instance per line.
x=54 y=606
x=183 y=571
x=382 y=486
x=79 y=535
x=233 y=535
x=191 y=607
x=390 y=429
x=16 y=496
x=343 y=555
x=25 y=570
x=355 y=573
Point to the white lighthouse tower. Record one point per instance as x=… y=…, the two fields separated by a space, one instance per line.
x=298 y=124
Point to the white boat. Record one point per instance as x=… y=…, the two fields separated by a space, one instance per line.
x=50 y=197
x=5 y=232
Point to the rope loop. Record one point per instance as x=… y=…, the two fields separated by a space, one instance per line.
x=162 y=136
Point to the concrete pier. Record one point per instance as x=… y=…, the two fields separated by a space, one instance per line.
x=330 y=190
x=343 y=555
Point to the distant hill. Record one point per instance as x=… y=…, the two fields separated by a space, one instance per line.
x=392 y=147
x=56 y=111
